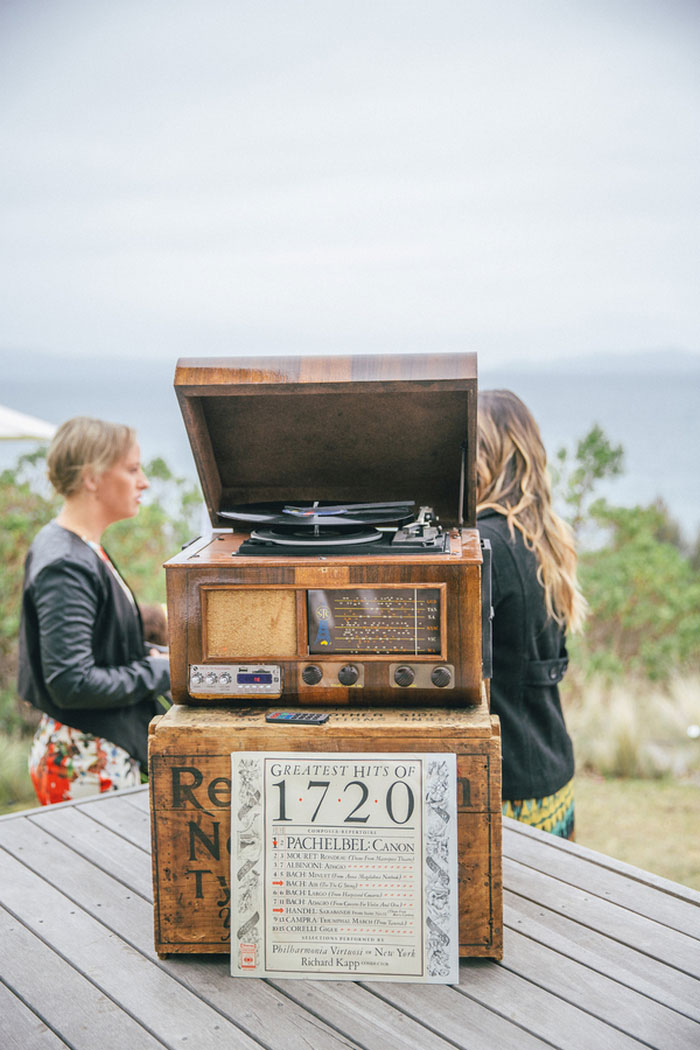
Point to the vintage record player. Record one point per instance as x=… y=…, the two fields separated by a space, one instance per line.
x=344 y=566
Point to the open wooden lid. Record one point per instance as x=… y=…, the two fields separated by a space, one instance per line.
x=346 y=429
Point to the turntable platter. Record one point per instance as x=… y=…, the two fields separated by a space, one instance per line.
x=317 y=538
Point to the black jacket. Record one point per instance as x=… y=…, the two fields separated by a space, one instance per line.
x=529 y=659
x=82 y=656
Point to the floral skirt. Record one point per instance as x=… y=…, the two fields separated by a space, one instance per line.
x=66 y=764
x=553 y=813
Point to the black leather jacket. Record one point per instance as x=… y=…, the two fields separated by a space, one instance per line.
x=529 y=659
x=82 y=656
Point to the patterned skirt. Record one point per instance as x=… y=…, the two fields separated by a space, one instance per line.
x=553 y=813
x=66 y=764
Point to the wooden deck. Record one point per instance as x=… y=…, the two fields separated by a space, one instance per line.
x=597 y=955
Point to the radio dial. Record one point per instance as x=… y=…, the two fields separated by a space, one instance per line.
x=404 y=675
x=225 y=678
x=197 y=678
x=441 y=676
x=312 y=674
x=211 y=678
x=348 y=674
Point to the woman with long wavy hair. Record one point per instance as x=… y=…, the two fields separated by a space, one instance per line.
x=536 y=599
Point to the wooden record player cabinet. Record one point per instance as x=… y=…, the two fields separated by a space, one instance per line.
x=364 y=429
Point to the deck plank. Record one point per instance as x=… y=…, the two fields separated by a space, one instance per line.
x=465 y=1022
x=138 y=799
x=589 y=874
x=115 y=812
x=348 y=1007
x=142 y=990
x=599 y=995
x=73 y=1007
x=550 y=1018
x=255 y=1003
x=264 y=1011
x=514 y=830
x=654 y=939
x=630 y=968
x=21 y=1028
x=101 y=846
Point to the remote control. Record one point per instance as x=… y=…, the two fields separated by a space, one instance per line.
x=315 y=718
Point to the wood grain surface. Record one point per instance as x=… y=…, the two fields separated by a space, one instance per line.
x=595 y=955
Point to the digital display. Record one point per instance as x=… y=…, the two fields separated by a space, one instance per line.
x=378 y=620
x=246 y=678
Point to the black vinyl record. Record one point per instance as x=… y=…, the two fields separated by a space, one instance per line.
x=307 y=514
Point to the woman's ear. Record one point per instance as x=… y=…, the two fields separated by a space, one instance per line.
x=89 y=479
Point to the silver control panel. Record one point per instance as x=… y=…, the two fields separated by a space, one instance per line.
x=235 y=680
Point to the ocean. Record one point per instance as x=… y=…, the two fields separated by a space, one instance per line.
x=654 y=415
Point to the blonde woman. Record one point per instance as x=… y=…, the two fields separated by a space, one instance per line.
x=83 y=661
x=535 y=599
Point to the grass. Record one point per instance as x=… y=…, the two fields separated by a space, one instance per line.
x=649 y=823
x=16 y=790
x=638 y=770
x=633 y=727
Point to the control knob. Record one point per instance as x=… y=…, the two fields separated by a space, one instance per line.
x=197 y=678
x=348 y=674
x=224 y=678
x=441 y=676
x=404 y=675
x=211 y=678
x=312 y=674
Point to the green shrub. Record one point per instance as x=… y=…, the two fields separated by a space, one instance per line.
x=638 y=575
x=25 y=506
x=644 y=599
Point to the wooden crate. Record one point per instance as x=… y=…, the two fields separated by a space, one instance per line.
x=190 y=789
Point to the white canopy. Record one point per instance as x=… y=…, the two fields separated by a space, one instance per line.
x=16 y=425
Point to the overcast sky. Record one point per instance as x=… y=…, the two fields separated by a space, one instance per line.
x=516 y=177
